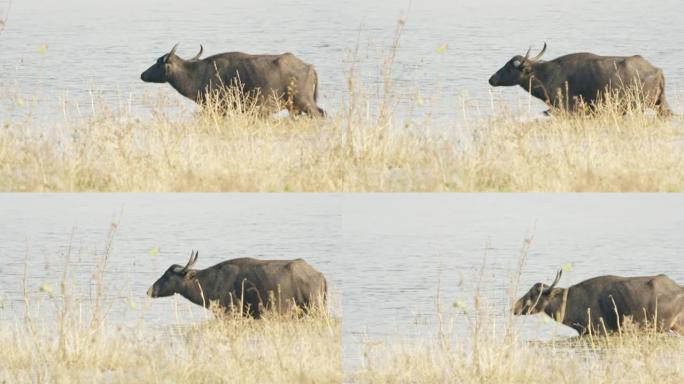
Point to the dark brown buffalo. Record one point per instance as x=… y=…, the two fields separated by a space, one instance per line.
x=270 y=81
x=280 y=285
x=577 y=80
x=604 y=302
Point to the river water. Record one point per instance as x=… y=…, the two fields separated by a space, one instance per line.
x=83 y=50
x=388 y=257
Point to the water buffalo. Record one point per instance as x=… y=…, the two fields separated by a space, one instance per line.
x=280 y=285
x=604 y=302
x=270 y=82
x=573 y=82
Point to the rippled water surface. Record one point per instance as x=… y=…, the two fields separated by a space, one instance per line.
x=386 y=256
x=82 y=50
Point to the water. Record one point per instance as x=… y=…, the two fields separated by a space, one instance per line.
x=98 y=49
x=385 y=255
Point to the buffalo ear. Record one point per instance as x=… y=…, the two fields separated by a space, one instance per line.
x=190 y=275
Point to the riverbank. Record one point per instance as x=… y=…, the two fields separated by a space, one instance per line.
x=210 y=152
x=493 y=357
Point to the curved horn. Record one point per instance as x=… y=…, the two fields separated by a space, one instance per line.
x=192 y=261
x=197 y=56
x=540 y=54
x=173 y=50
x=555 y=281
x=527 y=55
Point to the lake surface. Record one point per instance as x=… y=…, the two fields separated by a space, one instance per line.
x=83 y=50
x=385 y=255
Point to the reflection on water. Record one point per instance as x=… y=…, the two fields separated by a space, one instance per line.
x=104 y=46
x=388 y=255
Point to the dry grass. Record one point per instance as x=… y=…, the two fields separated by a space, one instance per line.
x=69 y=338
x=227 y=351
x=212 y=152
x=487 y=356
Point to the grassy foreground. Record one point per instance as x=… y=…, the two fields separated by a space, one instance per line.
x=308 y=351
x=210 y=152
x=487 y=357
x=228 y=351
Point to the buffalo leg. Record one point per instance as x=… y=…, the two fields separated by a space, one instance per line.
x=311 y=111
x=304 y=105
x=661 y=102
x=662 y=107
x=678 y=325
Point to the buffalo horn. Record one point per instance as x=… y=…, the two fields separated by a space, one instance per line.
x=539 y=55
x=193 y=259
x=173 y=50
x=197 y=56
x=555 y=281
x=527 y=55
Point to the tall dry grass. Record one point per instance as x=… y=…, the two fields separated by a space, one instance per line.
x=242 y=152
x=71 y=338
x=485 y=356
x=229 y=351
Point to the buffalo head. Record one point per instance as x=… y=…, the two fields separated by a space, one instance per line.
x=173 y=279
x=516 y=71
x=536 y=299
x=163 y=70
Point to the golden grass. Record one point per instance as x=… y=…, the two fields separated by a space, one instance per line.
x=227 y=351
x=241 y=152
x=490 y=356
